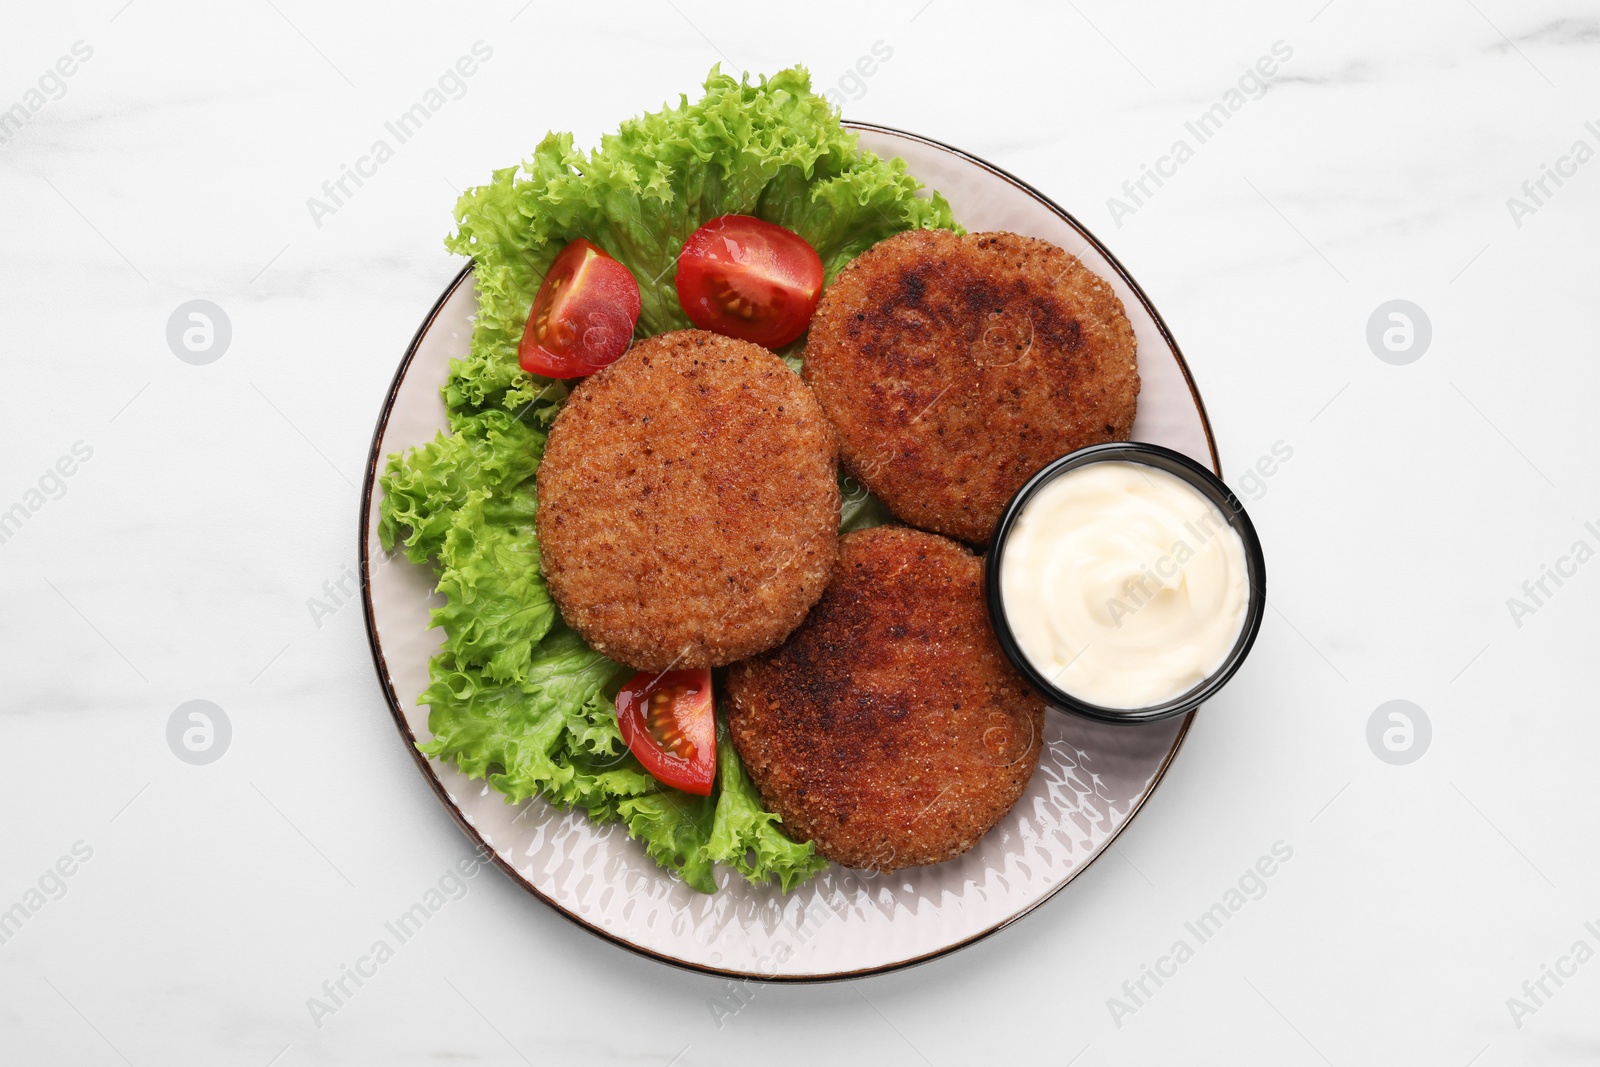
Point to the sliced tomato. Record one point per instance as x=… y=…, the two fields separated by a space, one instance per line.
x=668 y=722
x=750 y=279
x=583 y=317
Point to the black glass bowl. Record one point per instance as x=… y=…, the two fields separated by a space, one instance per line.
x=1209 y=486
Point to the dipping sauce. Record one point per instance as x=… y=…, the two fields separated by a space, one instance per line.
x=1123 y=585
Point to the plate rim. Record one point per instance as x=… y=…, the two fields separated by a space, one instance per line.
x=486 y=850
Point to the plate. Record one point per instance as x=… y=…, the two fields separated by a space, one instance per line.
x=1092 y=778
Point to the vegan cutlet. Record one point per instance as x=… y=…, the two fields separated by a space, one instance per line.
x=688 y=503
x=955 y=367
x=889 y=729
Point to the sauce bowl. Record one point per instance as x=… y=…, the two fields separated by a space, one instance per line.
x=1210 y=488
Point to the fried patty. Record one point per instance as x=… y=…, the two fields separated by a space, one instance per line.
x=688 y=503
x=889 y=729
x=954 y=368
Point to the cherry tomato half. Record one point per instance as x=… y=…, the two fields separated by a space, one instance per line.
x=749 y=279
x=668 y=722
x=583 y=317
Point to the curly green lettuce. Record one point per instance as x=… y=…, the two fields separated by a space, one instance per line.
x=515 y=696
x=496 y=605
x=554 y=734
x=426 y=487
x=745 y=836
x=773 y=149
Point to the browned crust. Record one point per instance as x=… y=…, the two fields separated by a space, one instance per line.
x=688 y=503
x=889 y=729
x=955 y=367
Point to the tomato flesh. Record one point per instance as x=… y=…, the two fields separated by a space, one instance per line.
x=749 y=278
x=668 y=723
x=583 y=316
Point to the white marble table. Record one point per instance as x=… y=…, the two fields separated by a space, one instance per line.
x=180 y=531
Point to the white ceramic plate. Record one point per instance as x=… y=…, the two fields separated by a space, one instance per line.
x=1091 y=781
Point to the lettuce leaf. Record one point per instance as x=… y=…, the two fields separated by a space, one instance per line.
x=515 y=696
x=689 y=834
x=424 y=488
x=675 y=829
x=772 y=149
x=859 y=509
x=745 y=836
x=496 y=605
x=557 y=737
x=554 y=734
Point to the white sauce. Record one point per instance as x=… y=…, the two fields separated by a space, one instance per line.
x=1123 y=585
